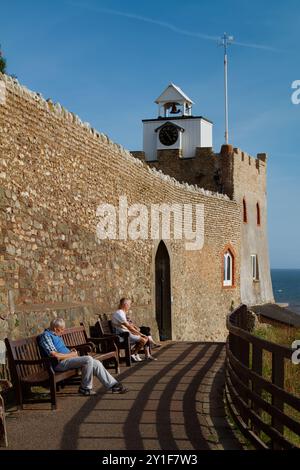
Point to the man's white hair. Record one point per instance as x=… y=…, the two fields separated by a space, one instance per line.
x=125 y=301
x=57 y=323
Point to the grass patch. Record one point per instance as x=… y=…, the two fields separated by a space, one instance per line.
x=284 y=336
x=245 y=443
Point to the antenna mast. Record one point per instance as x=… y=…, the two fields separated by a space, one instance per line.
x=225 y=42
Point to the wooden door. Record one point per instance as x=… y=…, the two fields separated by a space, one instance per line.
x=163 y=292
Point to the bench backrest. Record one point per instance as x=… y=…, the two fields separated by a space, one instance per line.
x=23 y=349
x=74 y=336
x=105 y=325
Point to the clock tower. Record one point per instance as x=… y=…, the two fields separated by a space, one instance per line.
x=175 y=128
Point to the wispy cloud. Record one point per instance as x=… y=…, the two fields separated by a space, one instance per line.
x=257 y=46
x=171 y=27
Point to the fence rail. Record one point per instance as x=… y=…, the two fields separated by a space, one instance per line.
x=259 y=405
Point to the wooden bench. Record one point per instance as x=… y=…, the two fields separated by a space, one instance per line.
x=28 y=367
x=103 y=349
x=103 y=329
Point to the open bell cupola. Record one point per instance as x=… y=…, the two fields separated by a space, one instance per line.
x=175 y=128
x=173 y=102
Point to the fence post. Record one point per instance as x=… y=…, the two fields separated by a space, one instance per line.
x=277 y=379
x=243 y=351
x=257 y=366
x=243 y=317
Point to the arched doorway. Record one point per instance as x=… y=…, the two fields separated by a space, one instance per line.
x=163 y=292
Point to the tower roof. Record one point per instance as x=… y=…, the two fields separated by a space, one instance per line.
x=173 y=94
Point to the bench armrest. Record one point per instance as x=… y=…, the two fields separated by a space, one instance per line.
x=119 y=339
x=124 y=335
x=106 y=341
x=83 y=349
x=103 y=339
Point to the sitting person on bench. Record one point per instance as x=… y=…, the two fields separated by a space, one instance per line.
x=52 y=345
x=136 y=338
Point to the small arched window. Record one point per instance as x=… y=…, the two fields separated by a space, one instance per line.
x=228 y=269
x=245 y=219
x=257 y=214
x=254 y=268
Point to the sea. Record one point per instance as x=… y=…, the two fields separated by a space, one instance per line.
x=286 y=287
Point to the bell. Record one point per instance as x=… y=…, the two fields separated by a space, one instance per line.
x=174 y=109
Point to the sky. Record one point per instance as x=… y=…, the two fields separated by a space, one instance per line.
x=107 y=61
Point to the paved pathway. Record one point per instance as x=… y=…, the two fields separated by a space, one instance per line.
x=174 y=403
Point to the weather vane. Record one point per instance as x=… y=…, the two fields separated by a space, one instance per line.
x=225 y=41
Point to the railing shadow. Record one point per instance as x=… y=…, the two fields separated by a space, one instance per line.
x=165 y=413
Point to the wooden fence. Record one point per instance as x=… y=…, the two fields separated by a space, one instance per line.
x=265 y=412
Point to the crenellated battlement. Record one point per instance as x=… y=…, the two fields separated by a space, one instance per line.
x=258 y=162
x=248 y=172
x=242 y=172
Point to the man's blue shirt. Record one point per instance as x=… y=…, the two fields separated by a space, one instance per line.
x=49 y=342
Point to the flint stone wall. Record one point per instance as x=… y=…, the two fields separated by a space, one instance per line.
x=54 y=172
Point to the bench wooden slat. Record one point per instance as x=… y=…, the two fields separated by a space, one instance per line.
x=77 y=337
x=27 y=367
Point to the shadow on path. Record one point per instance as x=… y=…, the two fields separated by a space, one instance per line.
x=173 y=403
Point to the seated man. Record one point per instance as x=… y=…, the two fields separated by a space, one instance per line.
x=136 y=338
x=52 y=345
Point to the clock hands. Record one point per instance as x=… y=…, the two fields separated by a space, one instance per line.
x=168 y=135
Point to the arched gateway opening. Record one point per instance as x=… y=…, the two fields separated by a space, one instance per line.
x=163 y=292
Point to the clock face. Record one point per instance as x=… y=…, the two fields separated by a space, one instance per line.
x=168 y=135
